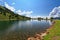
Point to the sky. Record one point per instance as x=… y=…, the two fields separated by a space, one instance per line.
x=31 y=8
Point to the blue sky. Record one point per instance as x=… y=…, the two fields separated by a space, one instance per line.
x=38 y=7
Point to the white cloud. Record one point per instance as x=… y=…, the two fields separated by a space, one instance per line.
x=37 y=16
x=13 y=3
x=25 y=13
x=18 y=11
x=55 y=12
x=9 y=7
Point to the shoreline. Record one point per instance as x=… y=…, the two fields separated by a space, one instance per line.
x=12 y=20
x=41 y=35
x=54 y=33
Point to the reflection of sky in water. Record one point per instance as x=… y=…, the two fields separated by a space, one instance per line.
x=30 y=25
x=26 y=27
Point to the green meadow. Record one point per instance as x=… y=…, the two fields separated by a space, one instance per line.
x=54 y=32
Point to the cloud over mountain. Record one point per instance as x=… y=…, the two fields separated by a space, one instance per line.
x=9 y=7
x=25 y=13
x=55 y=12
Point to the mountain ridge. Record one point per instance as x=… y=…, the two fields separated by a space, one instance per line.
x=6 y=14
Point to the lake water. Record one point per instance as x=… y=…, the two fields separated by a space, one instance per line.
x=21 y=30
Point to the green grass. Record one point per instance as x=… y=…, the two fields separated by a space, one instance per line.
x=54 y=31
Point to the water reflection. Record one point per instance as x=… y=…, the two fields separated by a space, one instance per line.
x=22 y=29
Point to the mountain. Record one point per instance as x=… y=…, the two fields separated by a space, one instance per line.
x=6 y=14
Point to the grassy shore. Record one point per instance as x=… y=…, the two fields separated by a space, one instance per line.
x=54 y=32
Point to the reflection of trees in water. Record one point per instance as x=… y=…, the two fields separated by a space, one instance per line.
x=5 y=24
x=51 y=20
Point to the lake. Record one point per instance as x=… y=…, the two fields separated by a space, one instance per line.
x=21 y=30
